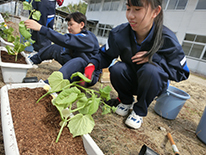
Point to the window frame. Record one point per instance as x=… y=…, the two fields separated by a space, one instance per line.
x=200 y=5
x=193 y=43
x=110 y=5
x=176 y=5
x=105 y=30
x=94 y=6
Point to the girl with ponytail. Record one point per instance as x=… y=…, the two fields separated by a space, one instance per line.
x=150 y=56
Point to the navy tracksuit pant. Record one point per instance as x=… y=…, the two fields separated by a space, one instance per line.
x=146 y=83
x=69 y=64
x=47 y=9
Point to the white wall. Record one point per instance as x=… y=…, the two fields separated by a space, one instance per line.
x=179 y=21
x=108 y=17
x=188 y=21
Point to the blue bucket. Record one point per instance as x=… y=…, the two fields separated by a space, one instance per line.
x=171 y=102
x=201 y=128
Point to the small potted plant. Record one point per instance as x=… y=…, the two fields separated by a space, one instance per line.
x=13 y=72
x=6 y=36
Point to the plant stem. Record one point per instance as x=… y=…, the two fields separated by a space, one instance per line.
x=43 y=96
x=72 y=111
x=61 y=129
x=31 y=10
x=86 y=89
x=106 y=104
x=16 y=58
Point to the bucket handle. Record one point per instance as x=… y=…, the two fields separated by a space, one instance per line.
x=162 y=95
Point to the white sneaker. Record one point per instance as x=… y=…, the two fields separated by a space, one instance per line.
x=47 y=61
x=123 y=109
x=134 y=121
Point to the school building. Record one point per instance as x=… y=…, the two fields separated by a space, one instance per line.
x=186 y=18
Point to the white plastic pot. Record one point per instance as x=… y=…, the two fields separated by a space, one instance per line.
x=10 y=143
x=4 y=43
x=14 y=72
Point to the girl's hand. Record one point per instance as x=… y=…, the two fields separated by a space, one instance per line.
x=32 y=24
x=88 y=72
x=139 y=59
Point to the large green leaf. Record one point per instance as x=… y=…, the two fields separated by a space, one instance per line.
x=27 y=6
x=105 y=92
x=82 y=102
x=57 y=82
x=68 y=96
x=23 y=30
x=10 y=38
x=81 y=124
x=59 y=108
x=91 y=106
x=8 y=31
x=70 y=90
x=36 y=15
x=68 y=100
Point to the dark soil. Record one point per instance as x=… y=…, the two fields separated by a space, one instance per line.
x=5 y=57
x=36 y=125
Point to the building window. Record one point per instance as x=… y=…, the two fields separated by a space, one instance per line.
x=103 y=30
x=204 y=56
x=164 y=4
x=111 y=5
x=201 y=4
x=124 y=7
x=174 y=4
x=94 y=5
x=91 y=27
x=195 y=46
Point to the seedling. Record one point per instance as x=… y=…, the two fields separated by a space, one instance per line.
x=5 y=15
x=35 y=14
x=86 y=103
x=26 y=41
x=6 y=33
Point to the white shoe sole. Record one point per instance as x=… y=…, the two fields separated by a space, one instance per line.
x=123 y=112
x=128 y=123
x=119 y=112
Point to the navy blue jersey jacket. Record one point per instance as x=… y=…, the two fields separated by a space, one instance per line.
x=121 y=43
x=84 y=42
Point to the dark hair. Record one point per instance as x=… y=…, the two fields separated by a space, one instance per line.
x=158 y=41
x=77 y=17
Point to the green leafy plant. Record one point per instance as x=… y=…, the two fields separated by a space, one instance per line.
x=35 y=14
x=18 y=47
x=74 y=98
x=5 y=15
x=6 y=33
x=26 y=41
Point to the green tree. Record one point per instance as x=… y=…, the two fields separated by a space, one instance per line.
x=80 y=7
